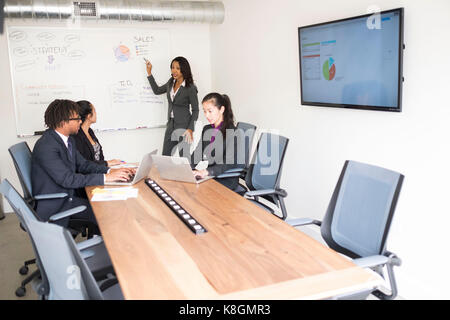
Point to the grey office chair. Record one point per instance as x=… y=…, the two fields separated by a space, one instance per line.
x=359 y=217
x=96 y=257
x=264 y=173
x=21 y=156
x=246 y=132
x=65 y=274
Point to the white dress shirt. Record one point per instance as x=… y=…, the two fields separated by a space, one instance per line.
x=173 y=93
x=66 y=139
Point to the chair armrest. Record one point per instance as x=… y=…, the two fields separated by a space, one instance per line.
x=228 y=175
x=393 y=259
x=371 y=261
x=108 y=283
x=67 y=213
x=50 y=196
x=235 y=170
x=303 y=222
x=83 y=245
x=378 y=260
x=264 y=192
x=87 y=254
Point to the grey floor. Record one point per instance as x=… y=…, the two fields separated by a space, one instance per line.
x=15 y=248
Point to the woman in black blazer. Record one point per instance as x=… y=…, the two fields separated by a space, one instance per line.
x=220 y=142
x=182 y=96
x=86 y=141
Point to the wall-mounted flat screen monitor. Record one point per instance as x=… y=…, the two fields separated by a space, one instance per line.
x=354 y=62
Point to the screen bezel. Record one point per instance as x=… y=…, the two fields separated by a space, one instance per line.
x=398 y=108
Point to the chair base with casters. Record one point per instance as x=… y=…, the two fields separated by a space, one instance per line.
x=24 y=269
x=21 y=291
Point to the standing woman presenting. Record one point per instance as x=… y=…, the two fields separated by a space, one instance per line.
x=181 y=94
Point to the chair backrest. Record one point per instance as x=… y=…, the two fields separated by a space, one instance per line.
x=92 y=290
x=68 y=276
x=265 y=168
x=21 y=155
x=360 y=212
x=249 y=134
x=64 y=272
x=17 y=203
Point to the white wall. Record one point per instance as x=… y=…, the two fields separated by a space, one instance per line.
x=189 y=40
x=254 y=58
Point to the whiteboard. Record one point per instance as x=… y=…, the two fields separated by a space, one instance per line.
x=103 y=66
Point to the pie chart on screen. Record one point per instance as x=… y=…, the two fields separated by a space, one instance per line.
x=329 y=69
x=122 y=53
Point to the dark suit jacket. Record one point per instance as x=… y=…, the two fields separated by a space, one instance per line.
x=222 y=154
x=54 y=171
x=184 y=97
x=85 y=147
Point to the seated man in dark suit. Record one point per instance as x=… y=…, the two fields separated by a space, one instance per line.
x=58 y=167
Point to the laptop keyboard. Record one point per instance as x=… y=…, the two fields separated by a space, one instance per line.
x=130 y=179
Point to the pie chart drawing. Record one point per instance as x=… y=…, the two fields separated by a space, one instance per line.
x=122 y=53
x=329 y=69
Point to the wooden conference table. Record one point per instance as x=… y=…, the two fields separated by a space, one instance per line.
x=246 y=253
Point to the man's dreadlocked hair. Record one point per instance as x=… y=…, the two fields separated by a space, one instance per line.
x=59 y=111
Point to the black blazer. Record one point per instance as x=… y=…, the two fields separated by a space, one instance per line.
x=180 y=105
x=220 y=156
x=54 y=171
x=85 y=147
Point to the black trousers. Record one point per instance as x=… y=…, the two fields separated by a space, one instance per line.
x=78 y=220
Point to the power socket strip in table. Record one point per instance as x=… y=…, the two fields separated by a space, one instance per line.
x=182 y=214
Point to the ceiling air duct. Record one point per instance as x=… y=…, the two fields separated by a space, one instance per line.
x=121 y=10
x=2 y=3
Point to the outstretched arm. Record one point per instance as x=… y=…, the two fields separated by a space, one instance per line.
x=156 y=89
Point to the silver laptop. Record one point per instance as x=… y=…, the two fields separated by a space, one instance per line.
x=142 y=171
x=176 y=168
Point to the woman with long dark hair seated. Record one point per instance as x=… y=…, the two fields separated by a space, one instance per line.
x=219 y=143
x=86 y=141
